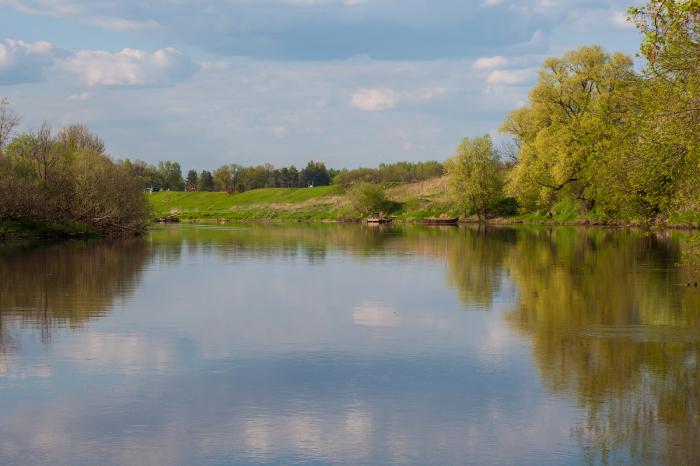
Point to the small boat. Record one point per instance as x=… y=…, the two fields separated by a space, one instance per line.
x=376 y=218
x=440 y=221
x=168 y=219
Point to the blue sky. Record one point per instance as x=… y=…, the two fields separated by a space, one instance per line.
x=348 y=82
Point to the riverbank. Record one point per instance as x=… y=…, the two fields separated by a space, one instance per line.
x=415 y=202
x=45 y=230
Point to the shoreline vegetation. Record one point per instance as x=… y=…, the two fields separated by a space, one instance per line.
x=414 y=203
x=64 y=185
x=598 y=142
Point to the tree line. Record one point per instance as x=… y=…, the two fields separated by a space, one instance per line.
x=598 y=134
x=234 y=178
x=229 y=178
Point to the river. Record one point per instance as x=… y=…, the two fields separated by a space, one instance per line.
x=347 y=344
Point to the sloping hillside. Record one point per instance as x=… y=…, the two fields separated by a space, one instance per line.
x=422 y=199
x=257 y=203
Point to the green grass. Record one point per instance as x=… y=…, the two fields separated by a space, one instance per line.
x=284 y=204
x=563 y=211
x=257 y=203
x=417 y=209
x=691 y=219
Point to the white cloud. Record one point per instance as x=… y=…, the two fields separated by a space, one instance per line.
x=27 y=62
x=372 y=100
x=486 y=63
x=311 y=3
x=280 y=132
x=121 y=24
x=24 y=62
x=82 y=97
x=492 y=2
x=60 y=8
x=510 y=77
x=620 y=19
x=129 y=67
x=429 y=93
x=537 y=39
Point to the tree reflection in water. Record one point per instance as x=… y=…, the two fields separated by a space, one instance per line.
x=45 y=287
x=611 y=324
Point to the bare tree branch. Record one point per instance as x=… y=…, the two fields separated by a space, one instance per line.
x=9 y=121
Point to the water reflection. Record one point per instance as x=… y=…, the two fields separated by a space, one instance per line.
x=346 y=344
x=48 y=287
x=475 y=264
x=613 y=325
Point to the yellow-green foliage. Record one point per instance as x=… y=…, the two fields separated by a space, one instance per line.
x=564 y=125
x=475 y=175
x=621 y=143
x=369 y=197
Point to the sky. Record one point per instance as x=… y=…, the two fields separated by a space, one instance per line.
x=347 y=82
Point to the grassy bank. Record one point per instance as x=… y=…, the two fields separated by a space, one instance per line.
x=414 y=202
x=260 y=204
x=326 y=203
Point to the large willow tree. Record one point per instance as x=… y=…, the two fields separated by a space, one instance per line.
x=671 y=46
x=572 y=120
x=623 y=143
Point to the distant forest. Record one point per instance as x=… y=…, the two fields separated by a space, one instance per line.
x=234 y=178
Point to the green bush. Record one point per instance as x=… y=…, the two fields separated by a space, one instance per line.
x=369 y=197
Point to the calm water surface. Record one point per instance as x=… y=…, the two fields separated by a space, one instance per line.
x=262 y=344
